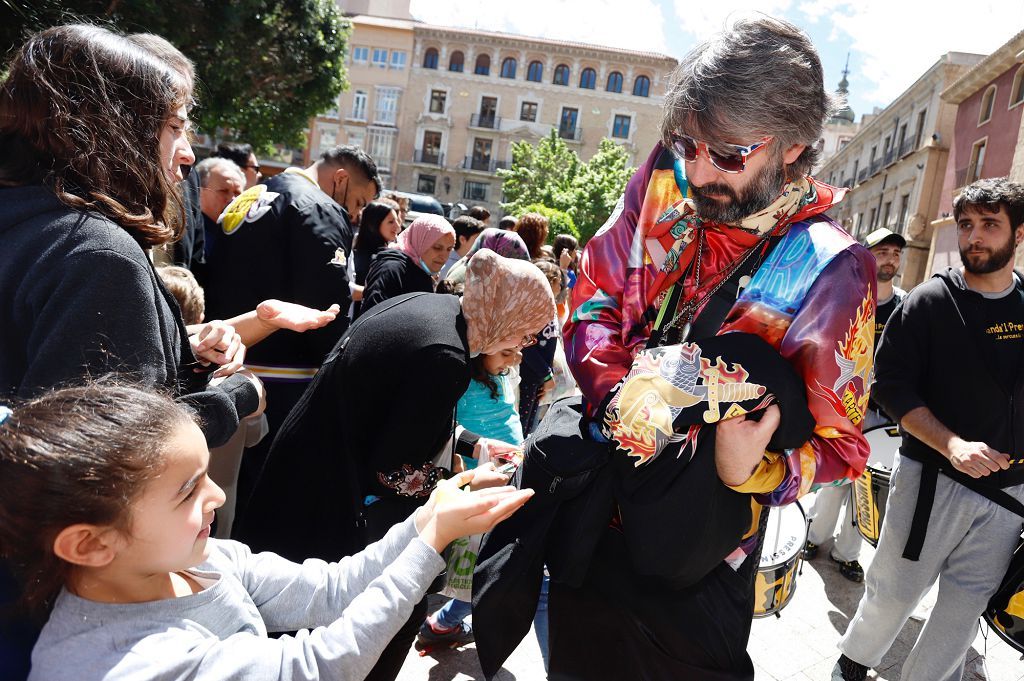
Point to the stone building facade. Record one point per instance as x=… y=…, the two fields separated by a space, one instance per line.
x=369 y=111
x=438 y=108
x=896 y=164
x=471 y=94
x=987 y=139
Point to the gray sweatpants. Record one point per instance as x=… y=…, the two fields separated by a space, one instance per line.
x=968 y=547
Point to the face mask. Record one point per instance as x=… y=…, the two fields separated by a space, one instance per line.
x=427 y=269
x=334 y=191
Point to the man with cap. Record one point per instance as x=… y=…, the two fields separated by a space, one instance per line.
x=949 y=371
x=721 y=230
x=887 y=247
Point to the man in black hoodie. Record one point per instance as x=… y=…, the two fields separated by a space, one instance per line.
x=289 y=238
x=949 y=372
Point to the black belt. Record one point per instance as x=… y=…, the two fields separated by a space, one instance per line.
x=926 y=499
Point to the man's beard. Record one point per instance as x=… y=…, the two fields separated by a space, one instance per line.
x=760 y=193
x=886 y=273
x=996 y=260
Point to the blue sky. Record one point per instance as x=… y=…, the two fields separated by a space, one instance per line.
x=891 y=42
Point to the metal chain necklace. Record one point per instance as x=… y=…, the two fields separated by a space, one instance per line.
x=687 y=310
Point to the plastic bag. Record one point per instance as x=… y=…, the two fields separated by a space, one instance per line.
x=461 y=563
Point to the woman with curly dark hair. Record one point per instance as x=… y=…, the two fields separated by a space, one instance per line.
x=93 y=137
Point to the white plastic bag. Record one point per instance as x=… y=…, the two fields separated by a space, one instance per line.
x=461 y=562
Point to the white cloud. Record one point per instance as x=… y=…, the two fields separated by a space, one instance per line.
x=704 y=19
x=894 y=43
x=626 y=24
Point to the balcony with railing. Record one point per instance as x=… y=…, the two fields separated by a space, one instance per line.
x=876 y=165
x=570 y=134
x=890 y=156
x=430 y=158
x=862 y=175
x=907 y=146
x=485 y=121
x=482 y=164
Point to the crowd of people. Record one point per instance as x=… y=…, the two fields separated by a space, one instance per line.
x=243 y=418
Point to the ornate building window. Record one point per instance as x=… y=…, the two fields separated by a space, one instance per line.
x=535 y=72
x=614 y=82
x=642 y=86
x=483 y=65
x=456 y=62
x=561 y=75
x=508 y=68
x=588 y=79
x=430 y=58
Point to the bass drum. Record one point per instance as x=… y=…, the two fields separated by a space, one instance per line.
x=1005 y=612
x=784 y=538
x=871 y=490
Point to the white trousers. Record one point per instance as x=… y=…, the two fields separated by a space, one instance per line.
x=823 y=516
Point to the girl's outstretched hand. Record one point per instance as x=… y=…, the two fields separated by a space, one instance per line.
x=453 y=512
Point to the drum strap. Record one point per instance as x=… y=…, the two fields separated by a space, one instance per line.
x=926 y=499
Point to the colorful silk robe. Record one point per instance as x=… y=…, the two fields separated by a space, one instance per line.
x=813 y=299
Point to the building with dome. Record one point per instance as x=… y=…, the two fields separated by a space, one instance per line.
x=839 y=129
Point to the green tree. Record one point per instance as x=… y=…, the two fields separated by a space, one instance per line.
x=550 y=174
x=263 y=67
x=543 y=174
x=559 y=221
x=599 y=187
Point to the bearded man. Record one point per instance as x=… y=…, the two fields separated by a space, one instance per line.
x=720 y=231
x=949 y=372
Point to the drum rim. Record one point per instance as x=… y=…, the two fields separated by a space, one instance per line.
x=1010 y=641
x=799 y=544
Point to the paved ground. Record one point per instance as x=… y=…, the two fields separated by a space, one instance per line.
x=798 y=646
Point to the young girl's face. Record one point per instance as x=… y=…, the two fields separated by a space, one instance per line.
x=498 y=362
x=171 y=519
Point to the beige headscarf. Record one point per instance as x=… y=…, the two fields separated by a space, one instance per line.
x=504 y=298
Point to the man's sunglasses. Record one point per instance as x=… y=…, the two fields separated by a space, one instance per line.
x=687 y=148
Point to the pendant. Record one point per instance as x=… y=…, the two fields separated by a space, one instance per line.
x=685 y=333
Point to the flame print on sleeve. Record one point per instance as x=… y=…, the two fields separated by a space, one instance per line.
x=854 y=360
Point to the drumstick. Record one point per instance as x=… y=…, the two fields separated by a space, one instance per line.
x=778 y=531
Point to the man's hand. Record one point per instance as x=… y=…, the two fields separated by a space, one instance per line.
x=740 y=443
x=976 y=459
x=217 y=342
x=277 y=314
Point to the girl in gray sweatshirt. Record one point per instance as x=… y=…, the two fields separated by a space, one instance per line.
x=106 y=514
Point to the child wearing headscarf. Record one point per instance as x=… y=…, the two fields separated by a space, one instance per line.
x=413 y=264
